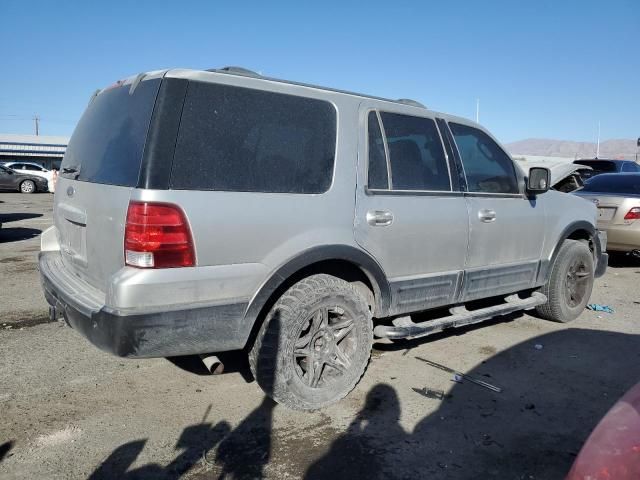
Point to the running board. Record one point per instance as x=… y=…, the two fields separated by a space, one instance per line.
x=404 y=327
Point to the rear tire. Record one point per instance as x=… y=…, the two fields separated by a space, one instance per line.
x=570 y=283
x=28 y=186
x=314 y=344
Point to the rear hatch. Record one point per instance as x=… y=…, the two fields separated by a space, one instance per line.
x=100 y=169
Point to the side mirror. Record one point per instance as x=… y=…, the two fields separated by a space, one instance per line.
x=538 y=180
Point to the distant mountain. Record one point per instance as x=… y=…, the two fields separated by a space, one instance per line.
x=622 y=148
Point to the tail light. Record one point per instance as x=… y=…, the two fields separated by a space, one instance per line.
x=157 y=235
x=633 y=214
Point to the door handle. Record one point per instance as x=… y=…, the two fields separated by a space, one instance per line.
x=487 y=216
x=379 y=218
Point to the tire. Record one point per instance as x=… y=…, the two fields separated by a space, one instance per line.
x=314 y=345
x=570 y=283
x=28 y=186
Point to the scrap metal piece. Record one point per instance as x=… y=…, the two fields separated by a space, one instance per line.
x=477 y=381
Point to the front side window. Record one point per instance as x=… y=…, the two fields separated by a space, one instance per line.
x=488 y=169
x=416 y=156
x=246 y=140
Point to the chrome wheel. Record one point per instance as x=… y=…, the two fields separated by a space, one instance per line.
x=27 y=186
x=325 y=347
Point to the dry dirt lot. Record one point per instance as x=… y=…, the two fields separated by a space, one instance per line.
x=71 y=411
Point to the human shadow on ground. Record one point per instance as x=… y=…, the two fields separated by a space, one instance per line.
x=552 y=397
x=220 y=451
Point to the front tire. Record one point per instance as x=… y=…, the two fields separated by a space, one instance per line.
x=27 y=186
x=570 y=283
x=314 y=344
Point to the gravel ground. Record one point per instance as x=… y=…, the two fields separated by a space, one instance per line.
x=71 y=411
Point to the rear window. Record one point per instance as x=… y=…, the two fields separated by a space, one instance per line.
x=107 y=144
x=246 y=140
x=614 y=183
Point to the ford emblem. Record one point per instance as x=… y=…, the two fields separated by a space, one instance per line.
x=70 y=191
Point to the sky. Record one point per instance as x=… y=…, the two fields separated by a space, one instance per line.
x=541 y=69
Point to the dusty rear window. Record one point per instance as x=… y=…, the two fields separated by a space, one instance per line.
x=247 y=140
x=107 y=144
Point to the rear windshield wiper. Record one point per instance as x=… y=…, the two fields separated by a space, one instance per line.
x=73 y=172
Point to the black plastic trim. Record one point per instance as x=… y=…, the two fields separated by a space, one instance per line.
x=359 y=258
x=157 y=159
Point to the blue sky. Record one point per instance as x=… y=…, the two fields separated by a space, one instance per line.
x=542 y=69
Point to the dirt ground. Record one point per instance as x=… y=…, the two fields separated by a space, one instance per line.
x=70 y=411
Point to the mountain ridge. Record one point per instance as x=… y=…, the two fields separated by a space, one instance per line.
x=612 y=148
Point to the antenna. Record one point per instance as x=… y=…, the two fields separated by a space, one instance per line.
x=477 y=110
x=598 y=144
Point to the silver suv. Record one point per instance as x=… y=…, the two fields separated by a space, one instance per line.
x=200 y=212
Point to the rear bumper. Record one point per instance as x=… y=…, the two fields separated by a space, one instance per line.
x=143 y=334
x=623 y=238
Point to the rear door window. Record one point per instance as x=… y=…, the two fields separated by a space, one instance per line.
x=107 y=144
x=487 y=168
x=378 y=172
x=416 y=155
x=247 y=140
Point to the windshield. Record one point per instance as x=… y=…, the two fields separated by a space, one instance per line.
x=107 y=144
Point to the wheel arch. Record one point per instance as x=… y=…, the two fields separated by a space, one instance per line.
x=343 y=261
x=579 y=230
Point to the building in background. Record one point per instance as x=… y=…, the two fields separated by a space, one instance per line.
x=43 y=150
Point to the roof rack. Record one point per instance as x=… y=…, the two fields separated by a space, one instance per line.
x=413 y=103
x=236 y=71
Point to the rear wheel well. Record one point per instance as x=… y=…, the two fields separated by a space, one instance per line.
x=342 y=269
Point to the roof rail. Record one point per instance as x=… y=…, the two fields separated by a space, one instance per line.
x=413 y=103
x=236 y=71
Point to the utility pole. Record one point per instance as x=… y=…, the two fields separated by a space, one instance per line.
x=477 y=110
x=637 y=148
x=598 y=144
x=36 y=119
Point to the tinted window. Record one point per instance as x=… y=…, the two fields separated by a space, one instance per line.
x=377 y=159
x=487 y=167
x=416 y=156
x=108 y=141
x=614 y=183
x=630 y=167
x=32 y=167
x=239 y=139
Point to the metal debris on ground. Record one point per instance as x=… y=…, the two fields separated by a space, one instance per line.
x=596 y=307
x=430 y=393
x=463 y=376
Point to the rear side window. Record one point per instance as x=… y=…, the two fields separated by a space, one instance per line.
x=487 y=168
x=630 y=167
x=107 y=144
x=614 y=183
x=416 y=155
x=246 y=140
x=378 y=172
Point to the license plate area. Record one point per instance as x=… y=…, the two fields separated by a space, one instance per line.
x=605 y=214
x=75 y=247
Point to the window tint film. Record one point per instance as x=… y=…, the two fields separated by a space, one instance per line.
x=240 y=139
x=107 y=144
x=377 y=159
x=614 y=183
x=415 y=153
x=487 y=167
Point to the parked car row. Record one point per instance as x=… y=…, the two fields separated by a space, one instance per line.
x=22 y=182
x=600 y=165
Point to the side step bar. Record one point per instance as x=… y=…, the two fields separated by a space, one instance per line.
x=404 y=327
